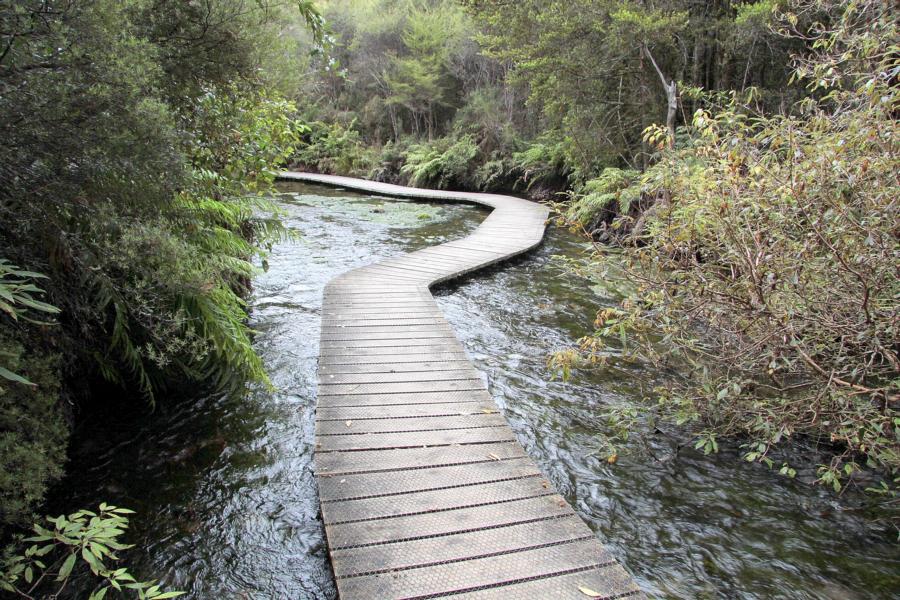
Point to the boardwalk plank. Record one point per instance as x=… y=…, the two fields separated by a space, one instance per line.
x=403 y=411
x=412 y=439
x=440 y=423
x=370 y=509
x=387 y=399
x=446 y=522
x=465 y=372
x=449 y=364
x=414 y=458
x=478 y=573
x=371 y=485
x=458 y=547
x=611 y=578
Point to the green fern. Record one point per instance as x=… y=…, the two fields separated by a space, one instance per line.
x=18 y=296
x=441 y=163
x=614 y=187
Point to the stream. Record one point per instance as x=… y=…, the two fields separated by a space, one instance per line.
x=223 y=484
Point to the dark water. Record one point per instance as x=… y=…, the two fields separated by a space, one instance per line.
x=225 y=493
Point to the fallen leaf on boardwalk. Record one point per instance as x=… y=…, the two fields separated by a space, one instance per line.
x=588 y=592
x=349 y=423
x=545 y=485
x=494 y=456
x=486 y=410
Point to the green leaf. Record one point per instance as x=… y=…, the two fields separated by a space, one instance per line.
x=7 y=374
x=99 y=594
x=38 y=305
x=66 y=569
x=90 y=559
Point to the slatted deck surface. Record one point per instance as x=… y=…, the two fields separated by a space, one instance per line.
x=425 y=491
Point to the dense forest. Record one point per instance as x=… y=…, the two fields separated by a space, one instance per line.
x=740 y=155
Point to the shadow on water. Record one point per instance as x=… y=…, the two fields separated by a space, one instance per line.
x=223 y=484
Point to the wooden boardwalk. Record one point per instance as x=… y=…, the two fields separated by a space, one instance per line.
x=425 y=491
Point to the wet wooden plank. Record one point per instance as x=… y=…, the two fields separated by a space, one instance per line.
x=414 y=458
x=447 y=522
x=403 y=411
x=370 y=485
x=458 y=547
x=411 y=398
x=392 y=376
x=408 y=424
x=404 y=387
x=425 y=491
x=615 y=582
x=450 y=363
x=389 y=507
x=412 y=439
x=398 y=355
x=477 y=573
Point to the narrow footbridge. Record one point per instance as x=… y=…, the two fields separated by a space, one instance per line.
x=425 y=491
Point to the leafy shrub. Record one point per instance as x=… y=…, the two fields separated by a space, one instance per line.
x=484 y=116
x=542 y=163
x=33 y=431
x=134 y=164
x=18 y=296
x=84 y=540
x=172 y=287
x=494 y=175
x=598 y=199
x=768 y=274
x=390 y=161
x=443 y=163
x=334 y=148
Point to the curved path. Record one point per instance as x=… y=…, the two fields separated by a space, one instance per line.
x=425 y=491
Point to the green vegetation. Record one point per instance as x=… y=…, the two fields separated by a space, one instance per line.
x=743 y=153
x=139 y=141
x=84 y=540
x=766 y=261
x=765 y=188
x=549 y=93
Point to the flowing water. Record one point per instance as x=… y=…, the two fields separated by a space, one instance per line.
x=224 y=487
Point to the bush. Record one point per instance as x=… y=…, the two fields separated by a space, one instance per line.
x=390 y=161
x=543 y=162
x=485 y=117
x=443 y=163
x=334 y=148
x=82 y=541
x=768 y=269
x=171 y=285
x=33 y=431
x=598 y=200
x=134 y=161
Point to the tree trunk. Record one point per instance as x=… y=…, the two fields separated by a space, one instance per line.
x=671 y=89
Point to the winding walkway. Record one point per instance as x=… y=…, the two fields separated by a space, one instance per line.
x=425 y=491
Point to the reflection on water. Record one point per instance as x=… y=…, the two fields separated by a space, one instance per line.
x=224 y=489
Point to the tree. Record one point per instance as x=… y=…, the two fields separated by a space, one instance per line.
x=137 y=136
x=588 y=65
x=766 y=272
